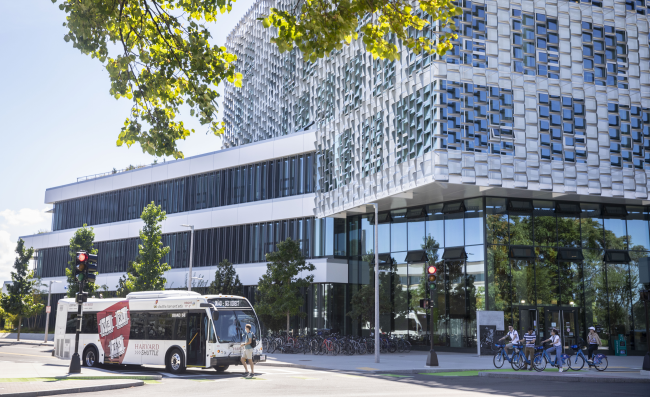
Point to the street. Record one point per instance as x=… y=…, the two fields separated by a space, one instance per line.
x=283 y=381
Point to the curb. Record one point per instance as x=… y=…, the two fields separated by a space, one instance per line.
x=373 y=372
x=564 y=378
x=109 y=377
x=82 y=389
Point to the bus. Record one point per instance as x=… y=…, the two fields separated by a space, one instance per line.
x=178 y=329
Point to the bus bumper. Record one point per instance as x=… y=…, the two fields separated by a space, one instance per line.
x=260 y=358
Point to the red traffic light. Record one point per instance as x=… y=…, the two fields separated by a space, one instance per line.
x=82 y=256
x=431 y=269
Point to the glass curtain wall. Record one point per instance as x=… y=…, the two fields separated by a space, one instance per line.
x=405 y=235
x=260 y=181
x=572 y=293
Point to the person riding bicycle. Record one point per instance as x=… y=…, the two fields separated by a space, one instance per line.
x=514 y=338
x=529 y=351
x=594 y=342
x=556 y=347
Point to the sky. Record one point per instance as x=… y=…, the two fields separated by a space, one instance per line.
x=58 y=121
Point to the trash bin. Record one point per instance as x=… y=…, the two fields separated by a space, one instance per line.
x=620 y=346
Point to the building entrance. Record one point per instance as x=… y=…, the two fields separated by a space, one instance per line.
x=567 y=322
x=527 y=319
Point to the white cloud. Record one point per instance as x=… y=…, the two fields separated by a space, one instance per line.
x=7 y=255
x=23 y=217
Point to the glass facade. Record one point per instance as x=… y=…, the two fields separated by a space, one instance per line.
x=239 y=244
x=253 y=182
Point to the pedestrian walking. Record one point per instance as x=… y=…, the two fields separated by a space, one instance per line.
x=247 y=352
x=529 y=351
x=514 y=337
x=556 y=347
x=594 y=342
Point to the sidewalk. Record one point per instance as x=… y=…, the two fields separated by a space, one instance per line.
x=453 y=364
x=53 y=387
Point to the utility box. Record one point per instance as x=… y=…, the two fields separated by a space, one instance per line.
x=620 y=346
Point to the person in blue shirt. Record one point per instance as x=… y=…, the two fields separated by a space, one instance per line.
x=247 y=352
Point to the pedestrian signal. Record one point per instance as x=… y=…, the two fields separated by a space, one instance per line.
x=425 y=303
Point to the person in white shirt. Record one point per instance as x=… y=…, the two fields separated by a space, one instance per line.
x=514 y=338
x=556 y=347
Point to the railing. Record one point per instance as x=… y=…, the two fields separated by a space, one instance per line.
x=115 y=171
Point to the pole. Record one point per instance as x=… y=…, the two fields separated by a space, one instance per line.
x=189 y=279
x=75 y=362
x=646 y=359
x=47 y=315
x=377 y=340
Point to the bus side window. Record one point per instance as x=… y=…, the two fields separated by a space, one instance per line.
x=180 y=328
x=161 y=326
x=71 y=323
x=89 y=323
x=137 y=325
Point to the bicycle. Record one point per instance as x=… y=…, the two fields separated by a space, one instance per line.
x=502 y=355
x=542 y=359
x=519 y=358
x=599 y=360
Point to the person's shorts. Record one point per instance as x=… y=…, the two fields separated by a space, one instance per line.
x=247 y=354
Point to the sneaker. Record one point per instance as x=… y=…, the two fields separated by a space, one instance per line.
x=246 y=374
x=252 y=375
x=530 y=369
x=560 y=369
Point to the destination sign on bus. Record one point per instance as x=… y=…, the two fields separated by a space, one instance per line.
x=222 y=303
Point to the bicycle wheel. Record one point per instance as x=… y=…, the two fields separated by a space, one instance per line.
x=498 y=360
x=577 y=363
x=392 y=346
x=517 y=362
x=271 y=347
x=407 y=347
x=539 y=362
x=600 y=362
x=400 y=346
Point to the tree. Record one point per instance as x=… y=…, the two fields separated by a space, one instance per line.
x=19 y=301
x=226 y=281
x=82 y=240
x=146 y=273
x=279 y=289
x=158 y=56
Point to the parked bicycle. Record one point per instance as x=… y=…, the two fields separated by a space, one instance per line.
x=598 y=361
x=542 y=359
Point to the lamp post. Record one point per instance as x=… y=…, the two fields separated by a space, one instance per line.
x=49 y=308
x=189 y=277
x=377 y=340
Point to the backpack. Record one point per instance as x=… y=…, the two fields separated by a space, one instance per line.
x=253 y=341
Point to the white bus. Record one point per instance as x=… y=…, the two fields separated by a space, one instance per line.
x=178 y=329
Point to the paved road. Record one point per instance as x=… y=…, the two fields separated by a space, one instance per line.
x=278 y=381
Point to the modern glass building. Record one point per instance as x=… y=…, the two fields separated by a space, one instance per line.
x=522 y=155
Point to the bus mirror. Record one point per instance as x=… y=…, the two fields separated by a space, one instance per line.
x=215 y=315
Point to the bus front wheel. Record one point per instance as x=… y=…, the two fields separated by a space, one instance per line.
x=221 y=368
x=175 y=362
x=91 y=357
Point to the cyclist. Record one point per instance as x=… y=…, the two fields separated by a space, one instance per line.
x=529 y=351
x=594 y=342
x=557 y=347
x=514 y=338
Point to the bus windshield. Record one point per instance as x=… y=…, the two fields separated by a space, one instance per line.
x=230 y=325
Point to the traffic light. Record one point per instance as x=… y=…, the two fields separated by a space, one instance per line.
x=85 y=266
x=91 y=268
x=81 y=264
x=432 y=276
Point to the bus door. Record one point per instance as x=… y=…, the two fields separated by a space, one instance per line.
x=197 y=325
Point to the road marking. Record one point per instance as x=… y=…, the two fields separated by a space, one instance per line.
x=20 y=354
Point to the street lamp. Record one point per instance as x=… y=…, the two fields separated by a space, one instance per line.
x=49 y=308
x=189 y=278
x=377 y=340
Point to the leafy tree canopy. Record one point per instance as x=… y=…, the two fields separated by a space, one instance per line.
x=320 y=27
x=20 y=299
x=226 y=281
x=146 y=273
x=158 y=53
x=82 y=240
x=279 y=288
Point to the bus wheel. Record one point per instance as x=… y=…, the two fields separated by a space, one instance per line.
x=221 y=368
x=90 y=357
x=175 y=362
